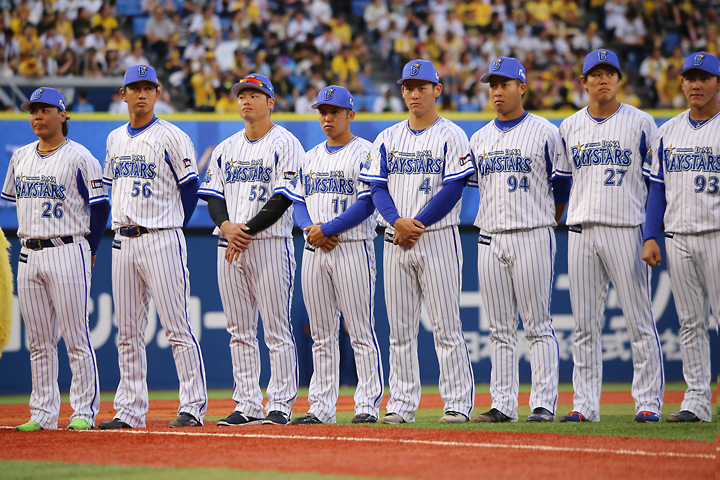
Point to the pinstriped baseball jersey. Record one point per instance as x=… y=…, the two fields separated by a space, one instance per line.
x=247 y=173
x=53 y=193
x=415 y=165
x=329 y=185
x=515 y=165
x=606 y=160
x=145 y=170
x=687 y=160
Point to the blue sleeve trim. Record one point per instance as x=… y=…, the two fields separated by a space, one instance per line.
x=655 y=210
x=657 y=179
x=465 y=173
x=204 y=192
x=100 y=199
x=288 y=194
x=563 y=173
x=371 y=178
x=442 y=203
x=352 y=217
x=187 y=178
x=107 y=181
x=302 y=216
x=384 y=202
x=364 y=193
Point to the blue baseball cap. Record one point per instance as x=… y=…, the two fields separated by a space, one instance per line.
x=420 y=70
x=704 y=61
x=334 y=95
x=140 y=73
x=256 y=81
x=593 y=59
x=505 y=67
x=46 y=95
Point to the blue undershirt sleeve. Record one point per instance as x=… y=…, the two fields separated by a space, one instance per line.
x=442 y=203
x=189 y=198
x=561 y=189
x=99 y=214
x=384 y=202
x=352 y=217
x=302 y=216
x=655 y=210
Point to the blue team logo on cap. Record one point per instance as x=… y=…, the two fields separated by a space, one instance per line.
x=414 y=69
x=142 y=70
x=497 y=63
x=329 y=93
x=351 y=103
x=602 y=55
x=62 y=104
x=698 y=59
x=37 y=94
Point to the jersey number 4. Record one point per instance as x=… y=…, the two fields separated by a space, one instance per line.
x=425 y=186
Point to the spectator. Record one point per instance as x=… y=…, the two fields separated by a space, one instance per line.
x=260 y=64
x=113 y=66
x=69 y=8
x=64 y=26
x=195 y=51
x=373 y=14
x=29 y=43
x=119 y=43
x=589 y=41
x=627 y=95
x=404 y=46
x=164 y=105
x=208 y=26
x=30 y=67
x=53 y=41
x=227 y=103
x=47 y=62
x=181 y=29
x=96 y=39
x=81 y=24
x=203 y=89
x=68 y=64
x=83 y=105
x=158 y=32
x=341 y=29
x=303 y=103
x=136 y=57
x=299 y=27
x=345 y=67
x=77 y=44
x=105 y=19
x=651 y=68
x=387 y=102
x=327 y=44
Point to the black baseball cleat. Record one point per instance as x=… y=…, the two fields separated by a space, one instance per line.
x=493 y=416
x=541 y=414
x=238 y=418
x=185 y=420
x=307 y=419
x=113 y=424
x=276 y=417
x=683 y=416
x=364 y=418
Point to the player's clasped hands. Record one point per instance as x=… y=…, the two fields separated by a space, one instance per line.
x=238 y=239
x=407 y=232
x=317 y=238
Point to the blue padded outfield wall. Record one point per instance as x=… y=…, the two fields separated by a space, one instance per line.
x=206 y=313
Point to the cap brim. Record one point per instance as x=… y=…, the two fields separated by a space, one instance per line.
x=317 y=105
x=486 y=78
x=694 y=67
x=238 y=87
x=400 y=82
x=26 y=106
x=157 y=84
x=602 y=63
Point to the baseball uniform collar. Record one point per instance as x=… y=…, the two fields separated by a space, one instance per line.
x=137 y=131
x=697 y=126
x=52 y=152
x=420 y=132
x=253 y=142
x=334 y=150
x=600 y=121
x=507 y=125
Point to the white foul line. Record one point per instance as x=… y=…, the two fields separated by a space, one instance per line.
x=546 y=448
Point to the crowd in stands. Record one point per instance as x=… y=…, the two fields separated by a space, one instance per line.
x=202 y=47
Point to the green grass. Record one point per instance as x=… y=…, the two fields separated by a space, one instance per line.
x=617 y=419
x=21 y=470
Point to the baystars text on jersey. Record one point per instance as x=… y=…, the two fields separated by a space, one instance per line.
x=600 y=153
x=132 y=166
x=333 y=182
x=698 y=159
x=38 y=187
x=419 y=163
x=247 y=171
x=509 y=160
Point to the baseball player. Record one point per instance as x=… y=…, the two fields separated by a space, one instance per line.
x=62 y=209
x=417 y=169
x=339 y=278
x=250 y=186
x=515 y=156
x=603 y=150
x=150 y=165
x=685 y=192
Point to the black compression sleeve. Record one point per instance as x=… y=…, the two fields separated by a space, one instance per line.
x=217 y=208
x=270 y=213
